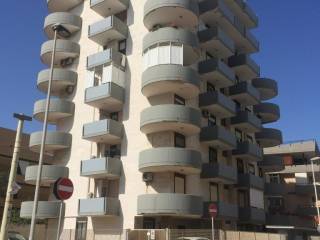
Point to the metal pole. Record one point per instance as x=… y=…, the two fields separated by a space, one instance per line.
x=12 y=175
x=60 y=220
x=212 y=226
x=315 y=191
x=43 y=141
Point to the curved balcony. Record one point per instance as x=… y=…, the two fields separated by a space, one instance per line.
x=165 y=78
x=245 y=94
x=245 y=67
x=46 y=210
x=218 y=104
x=58 y=110
x=267 y=112
x=170 y=159
x=69 y=21
x=218 y=137
x=108 y=96
x=183 y=13
x=188 y=39
x=54 y=141
x=103 y=131
x=107 y=30
x=272 y=163
x=269 y=137
x=216 y=72
x=50 y=173
x=105 y=167
x=170 y=204
x=63 y=81
x=246 y=121
x=107 y=8
x=268 y=88
x=66 y=52
x=62 y=5
x=249 y=151
x=170 y=117
x=216 y=42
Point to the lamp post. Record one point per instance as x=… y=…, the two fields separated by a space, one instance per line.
x=13 y=171
x=315 y=190
x=61 y=31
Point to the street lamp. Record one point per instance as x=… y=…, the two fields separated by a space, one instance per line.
x=13 y=171
x=61 y=31
x=315 y=190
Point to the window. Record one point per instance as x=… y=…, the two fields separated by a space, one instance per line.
x=212 y=121
x=240 y=166
x=213 y=155
x=238 y=135
x=274 y=178
x=243 y=198
x=238 y=105
x=260 y=172
x=179 y=100
x=179 y=140
x=214 y=192
x=123 y=46
x=165 y=53
x=179 y=183
x=81 y=229
x=114 y=151
x=114 y=116
x=251 y=169
x=224 y=122
x=210 y=87
x=249 y=138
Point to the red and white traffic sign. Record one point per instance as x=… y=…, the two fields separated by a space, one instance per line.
x=213 y=210
x=63 y=188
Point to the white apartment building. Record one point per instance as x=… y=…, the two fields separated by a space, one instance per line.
x=158 y=112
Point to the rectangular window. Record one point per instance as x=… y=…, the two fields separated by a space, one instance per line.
x=210 y=87
x=212 y=121
x=123 y=46
x=179 y=140
x=81 y=229
x=176 y=54
x=243 y=198
x=179 y=183
x=274 y=178
x=214 y=192
x=240 y=166
x=260 y=172
x=153 y=56
x=251 y=169
x=249 y=138
x=114 y=116
x=164 y=54
x=114 y=151
x=213 y=155
x=179 y=100
x=238 y=105
x=238 y=135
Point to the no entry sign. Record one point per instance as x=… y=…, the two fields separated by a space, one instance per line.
x=63 y=188
x=213 y=210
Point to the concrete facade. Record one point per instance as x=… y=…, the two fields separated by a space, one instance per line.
x=289 y=191
x=152 y=51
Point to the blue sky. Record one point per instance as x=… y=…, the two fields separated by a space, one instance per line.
x=289 y=35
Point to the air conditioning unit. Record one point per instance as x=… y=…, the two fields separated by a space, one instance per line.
x=147 y=177
x=66 y=62
x=205 y=113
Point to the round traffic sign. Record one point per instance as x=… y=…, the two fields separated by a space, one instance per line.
x=213 y=210
x=63 y=188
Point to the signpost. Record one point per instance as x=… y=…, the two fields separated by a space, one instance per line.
x=213 y=211
x=63 y=190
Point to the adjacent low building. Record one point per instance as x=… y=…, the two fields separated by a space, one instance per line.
x=289 y=191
